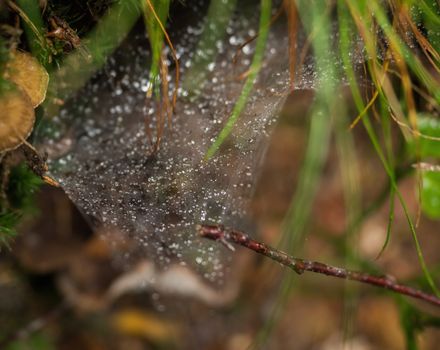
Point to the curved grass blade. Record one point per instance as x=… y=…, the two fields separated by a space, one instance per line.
x=102 y=40
x=29 y=12
x=390 y=224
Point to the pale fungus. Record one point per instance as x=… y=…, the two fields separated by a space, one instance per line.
x=27 y=89
x=26 y=72
x=17 y=118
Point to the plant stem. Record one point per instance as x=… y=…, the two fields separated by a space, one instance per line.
x=228 y=236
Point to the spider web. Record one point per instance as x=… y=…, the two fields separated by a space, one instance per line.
x=156 y=202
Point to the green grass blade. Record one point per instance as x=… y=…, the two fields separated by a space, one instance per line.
x=390 y=223
x=266 y=6
x=34 y=29
x=108 y=34
x=217 y=19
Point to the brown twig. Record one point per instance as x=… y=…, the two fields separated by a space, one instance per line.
x=227 y=237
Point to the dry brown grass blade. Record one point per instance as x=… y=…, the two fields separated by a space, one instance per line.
x=292 y=24
x=165 y=107
x=149 y=133
x=365 y=110
x=370 y=104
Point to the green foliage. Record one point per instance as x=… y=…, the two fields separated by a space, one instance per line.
x=408 y=321
x=8 y=221
x=429 y=148
x=413 y=321
x=37 y=341
x=431 y=194
x=430 y=127
x=430 y=11
x=23 y=184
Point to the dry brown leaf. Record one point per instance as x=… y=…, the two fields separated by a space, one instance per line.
x=17 y=119
x=24 y=70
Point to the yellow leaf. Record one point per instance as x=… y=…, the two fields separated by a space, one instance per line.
x=143 y=324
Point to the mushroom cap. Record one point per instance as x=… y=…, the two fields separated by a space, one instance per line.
x=26 y=72
x=17 y=118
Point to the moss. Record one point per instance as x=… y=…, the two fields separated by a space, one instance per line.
x=20 y=193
